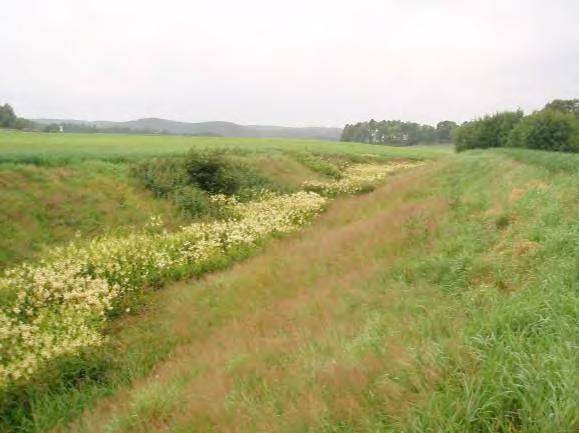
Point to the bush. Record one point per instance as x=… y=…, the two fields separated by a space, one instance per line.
x=194 y=201
x=162 y=175
x=215 y=173
x=555 y=128
x=547 y=130
x=189 y=181
x=490 y=131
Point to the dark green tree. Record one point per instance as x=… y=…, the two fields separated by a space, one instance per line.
x=489 y=131
x=564 y=106
x=547 y=130
x=393 y=132
x=8 y=118
x=445 y=130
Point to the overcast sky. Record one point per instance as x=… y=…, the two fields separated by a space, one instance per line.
x=298 y=62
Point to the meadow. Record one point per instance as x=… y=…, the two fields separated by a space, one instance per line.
x=342 y=287
x=44 y=149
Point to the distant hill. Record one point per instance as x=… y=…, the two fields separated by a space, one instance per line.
x=224 y=129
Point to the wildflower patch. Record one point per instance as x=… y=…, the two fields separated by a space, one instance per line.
x=61 y=304
x=357 y=178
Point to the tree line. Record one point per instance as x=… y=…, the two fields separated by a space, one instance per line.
x=93 y=129
x=555 y=127
x=397 y=132
x=8 y=119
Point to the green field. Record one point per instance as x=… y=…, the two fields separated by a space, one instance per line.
x=442 y=299
x=40 y=148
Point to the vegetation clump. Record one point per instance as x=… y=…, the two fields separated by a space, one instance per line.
x=489 y=131
x=191 y=180
x=393 y=132
x=555 y=127
x=547 y=130
x=8 y=119
x=356 y=178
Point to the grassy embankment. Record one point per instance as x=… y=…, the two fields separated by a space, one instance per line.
x=31 y=183
x=56 y=187
x=444 y=301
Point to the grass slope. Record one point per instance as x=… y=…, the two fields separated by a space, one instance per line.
x=44 y=206
x=54 y=187
x=444 y=301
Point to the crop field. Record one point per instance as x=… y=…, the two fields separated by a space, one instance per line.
x=189 y=284
x=39 y=148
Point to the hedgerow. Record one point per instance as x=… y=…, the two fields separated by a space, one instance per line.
x=553 y=128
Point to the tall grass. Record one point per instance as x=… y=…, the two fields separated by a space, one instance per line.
x=444 y=302
x=514 y=269
x=56 y=311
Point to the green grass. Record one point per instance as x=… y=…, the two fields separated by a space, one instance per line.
x=554 y=162
x=44 y=148
x=45 y=206
x=58 y=186
x=445 y=301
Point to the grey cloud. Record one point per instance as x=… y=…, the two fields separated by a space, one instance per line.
x=314 y=62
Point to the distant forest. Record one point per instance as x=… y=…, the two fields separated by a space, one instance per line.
x=88 y=129
x=396 y=132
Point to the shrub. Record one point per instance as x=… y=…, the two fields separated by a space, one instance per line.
x=193 y=201
x=490 y=131
x=189 y=181
x=162 y=175
x=215 y=173
x=547 y=130
x=555 y=128
x=212 y=172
